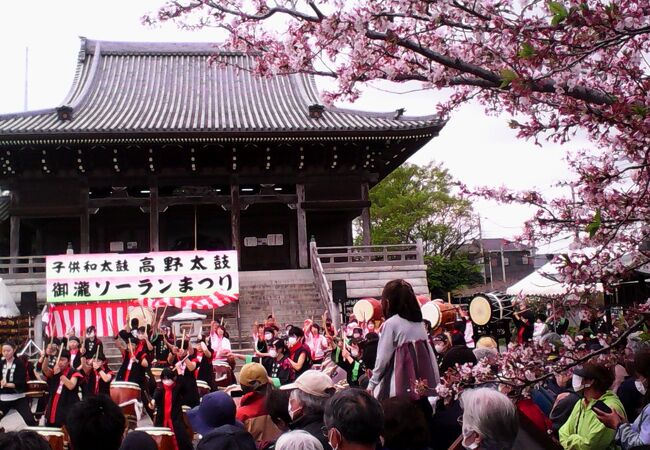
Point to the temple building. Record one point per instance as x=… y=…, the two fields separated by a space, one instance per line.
x=177 y=146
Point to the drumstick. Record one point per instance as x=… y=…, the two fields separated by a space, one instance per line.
x=162 y=316
x=183 y=340
x=213 y=309
x=58 y=358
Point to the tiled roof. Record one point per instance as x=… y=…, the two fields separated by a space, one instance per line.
x=495 y=245
x=129 y=88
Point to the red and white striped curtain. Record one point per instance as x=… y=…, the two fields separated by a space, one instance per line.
x=110 y=317
x=107 y=317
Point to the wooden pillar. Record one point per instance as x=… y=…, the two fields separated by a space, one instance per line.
x=303 y=250
x=365 y=215
x=14 y=238
x=154 y=220
x=84 y=224
x=235 y=219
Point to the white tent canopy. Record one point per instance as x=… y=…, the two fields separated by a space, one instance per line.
x=542 y=283
x=8 y=306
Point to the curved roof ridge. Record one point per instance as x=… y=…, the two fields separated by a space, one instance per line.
x=159 y=48
x=90 y=82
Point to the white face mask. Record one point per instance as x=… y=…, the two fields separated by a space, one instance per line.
x=468 y=435
x=292 y=340
x=273 y=353
x=168 y=382
x=268 y=336
x=640 y=387
x=576 y=383
x=439 y=348
x=293 y=413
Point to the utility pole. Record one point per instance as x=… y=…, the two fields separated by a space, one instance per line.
x=491 y=277
x=480 y=240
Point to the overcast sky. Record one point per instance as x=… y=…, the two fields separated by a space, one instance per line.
x=477 y=149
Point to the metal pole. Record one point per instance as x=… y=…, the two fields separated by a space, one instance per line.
x=490 y=265
x=503 y=265
x=480 y=242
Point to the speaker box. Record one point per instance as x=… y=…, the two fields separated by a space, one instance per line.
x=28 y=304
x=339 y=291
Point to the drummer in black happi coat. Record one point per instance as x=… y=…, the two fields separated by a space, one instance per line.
x=63 y=383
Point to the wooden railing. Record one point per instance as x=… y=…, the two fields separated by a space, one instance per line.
x=22 y=266
x=370 y=255
x=322 y=285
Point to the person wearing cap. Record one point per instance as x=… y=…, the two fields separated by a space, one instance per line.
x=299 y=353
x=583 y=430
x=91 y=345
x=63 y=385
x=216 y=410
x=168 y=402
x=252 y=412
x=349 y=359
x=309 y=393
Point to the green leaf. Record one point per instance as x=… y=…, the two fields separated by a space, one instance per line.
x=644 y=337
x=594 y=226
x=526 y=51
x=558 y=9
x=640 y=110
x=507 y=77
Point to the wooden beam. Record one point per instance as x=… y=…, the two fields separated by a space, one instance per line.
x=365 y=215
x=115 y=202
x=235 y=219
x=154 y=222
x=303 y=250
x=84 y=223
x=335 y=205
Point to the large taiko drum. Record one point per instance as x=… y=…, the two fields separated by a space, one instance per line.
x=368 y=309
x=486 y=308
x=223 y=373
x=55 y=437
x=439 y=314
x=156 y=372
x=203 y=387
x=36 y=389
x=163 y=436
x=125 y=395
x=422 y=300
x=188 y=426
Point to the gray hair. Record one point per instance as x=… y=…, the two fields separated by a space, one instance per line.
x=485 y=352
x=492 y=415
x=311 y=404
x=298 y=440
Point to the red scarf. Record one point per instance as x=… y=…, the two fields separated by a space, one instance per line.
x=297 y=346
x=57 y=396
x=167 y=411
x=137 y=350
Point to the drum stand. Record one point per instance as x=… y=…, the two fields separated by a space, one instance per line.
x=30 y=347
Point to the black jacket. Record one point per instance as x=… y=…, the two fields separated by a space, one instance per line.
x=17 y=374
x=312 y=424
x=458 y=354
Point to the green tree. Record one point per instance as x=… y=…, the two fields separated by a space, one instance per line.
x=417 y=202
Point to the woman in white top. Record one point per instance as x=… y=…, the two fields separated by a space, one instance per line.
x=220 y=344
x=404 y=355
x=317 y=343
